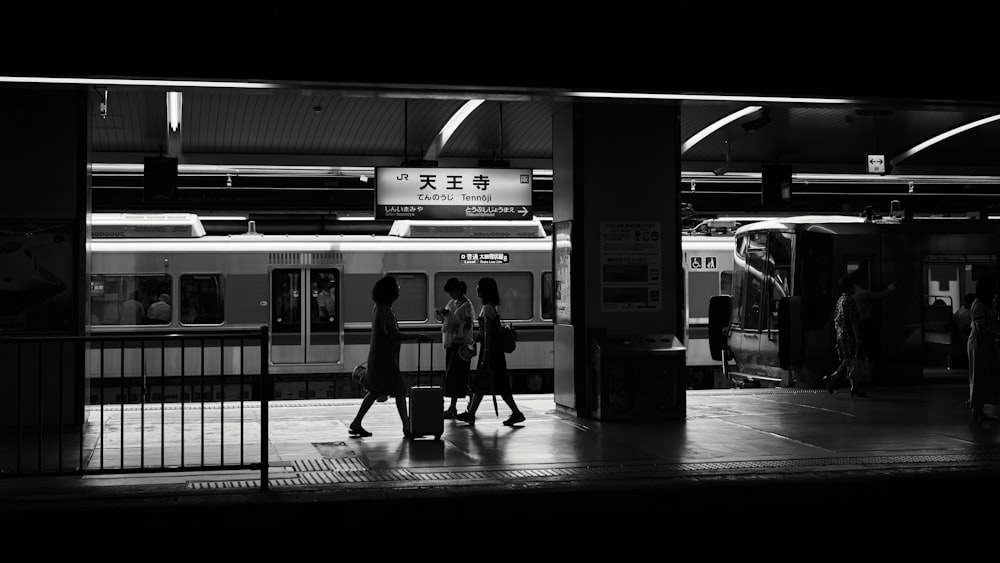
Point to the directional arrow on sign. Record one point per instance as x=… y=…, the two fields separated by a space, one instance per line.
x=524 y=211
x=875 y=161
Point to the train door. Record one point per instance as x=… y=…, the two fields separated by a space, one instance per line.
x=777 y=270
x=947 y=278
x=745 y=343
x=305 y=315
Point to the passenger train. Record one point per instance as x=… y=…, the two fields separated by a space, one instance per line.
x=775 y=328
x=244 y=281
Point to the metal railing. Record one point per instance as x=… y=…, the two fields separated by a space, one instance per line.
x=134 y=403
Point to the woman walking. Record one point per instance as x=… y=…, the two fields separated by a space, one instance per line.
x=384 y=377
x=491 y=357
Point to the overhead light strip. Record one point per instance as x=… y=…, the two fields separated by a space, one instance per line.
x=700 y=135
x=136 y=82
x=450 y=127
x=934 y=140
x=712 y=98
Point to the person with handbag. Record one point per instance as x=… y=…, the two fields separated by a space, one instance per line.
x=458 y=338
x=491 y=376
x=848 y=326
x=384 y=377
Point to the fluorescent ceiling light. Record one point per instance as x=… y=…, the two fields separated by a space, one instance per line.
x=136 y=82
x=174 y=101
x=449 y=128
x=934 y=140
x=711 y=98
x=700 y=135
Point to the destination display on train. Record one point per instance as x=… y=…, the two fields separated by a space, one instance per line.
x=452 y=193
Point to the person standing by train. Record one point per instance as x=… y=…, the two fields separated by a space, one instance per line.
x=982 y=348
x=848 y=326
x=384 y=376
x=491 y=356
x=961 y=327
x=870 y=316
x=458 y=339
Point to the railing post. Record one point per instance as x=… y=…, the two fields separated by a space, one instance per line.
x=267 y=391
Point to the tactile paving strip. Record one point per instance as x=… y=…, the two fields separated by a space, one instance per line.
x=353 y=470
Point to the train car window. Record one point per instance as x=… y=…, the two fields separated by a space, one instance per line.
x=548 y=296
x=412 y=302
x=516 y=291
x=202 y=299
x=739 y=282
x=125 y=299
x=286 y=308
x=324 y=305
x=356 y=297
x=725 y=282
x=756 y=269
x=779 y=265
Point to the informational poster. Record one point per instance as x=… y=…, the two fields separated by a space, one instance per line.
x=631 y=269
x=36 y=277
x=562 y=231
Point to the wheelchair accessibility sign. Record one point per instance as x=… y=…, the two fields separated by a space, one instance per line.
x=703 y=263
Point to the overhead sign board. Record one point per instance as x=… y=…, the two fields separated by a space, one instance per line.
x=876 y=164
x=452 y=193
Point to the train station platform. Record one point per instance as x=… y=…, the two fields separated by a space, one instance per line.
x=747 y=471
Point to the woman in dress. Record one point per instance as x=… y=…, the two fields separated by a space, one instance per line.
x=491 y=356
x=384 y=376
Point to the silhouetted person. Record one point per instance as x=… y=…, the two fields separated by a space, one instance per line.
x=458 y=337
x=848 y=326
x=961 y=326
x=869 y=305
x=491 y=356
x=982 y=348
x=384 y=376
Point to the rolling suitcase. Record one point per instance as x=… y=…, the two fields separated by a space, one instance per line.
x=426 y=402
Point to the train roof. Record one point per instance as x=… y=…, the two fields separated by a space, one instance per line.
x=189 y=225
x=409 y=228
x=844 y=224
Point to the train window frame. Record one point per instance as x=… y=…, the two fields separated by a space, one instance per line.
x=521 y=309
x=147 y=287
x=411 y=307
x=199 y=312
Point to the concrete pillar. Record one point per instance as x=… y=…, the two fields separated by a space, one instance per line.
x=44 y=150
x=616 y=211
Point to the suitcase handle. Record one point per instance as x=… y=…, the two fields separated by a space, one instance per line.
x=430 y=367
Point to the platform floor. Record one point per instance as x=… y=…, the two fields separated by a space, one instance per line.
x=786 y=464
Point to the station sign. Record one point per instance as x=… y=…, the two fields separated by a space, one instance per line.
x=452 y=193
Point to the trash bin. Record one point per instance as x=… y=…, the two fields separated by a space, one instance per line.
x=641 y=376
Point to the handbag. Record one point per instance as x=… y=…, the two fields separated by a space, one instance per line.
x=467 y=351
x=861 y=370
x=360 y=376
